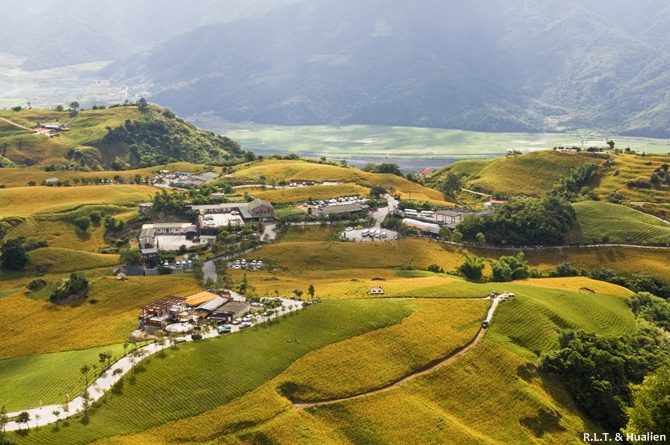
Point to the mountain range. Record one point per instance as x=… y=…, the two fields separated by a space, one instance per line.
x=500 y=65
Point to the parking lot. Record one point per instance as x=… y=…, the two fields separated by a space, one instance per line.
x=246 y=265
x=174 y=242
x=363 y=235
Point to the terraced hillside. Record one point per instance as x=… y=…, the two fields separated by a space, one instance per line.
x=274 y=171
x=452 y=403
x=604 y=222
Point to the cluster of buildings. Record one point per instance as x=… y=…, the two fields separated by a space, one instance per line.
x=171 y=236
x=181 y=315
x=50 y=128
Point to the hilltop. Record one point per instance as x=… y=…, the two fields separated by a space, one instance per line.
x=115 y=138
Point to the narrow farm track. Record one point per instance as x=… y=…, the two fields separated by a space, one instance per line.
x=15 y=124
x=445 y=361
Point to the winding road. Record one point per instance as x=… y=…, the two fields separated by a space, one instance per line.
x=450 y=358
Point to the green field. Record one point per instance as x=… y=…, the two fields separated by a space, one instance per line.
x=26 y=381
x=200 y=376
x=452 y=404
x=529 y=324
x=599 y=222
x=405 y=144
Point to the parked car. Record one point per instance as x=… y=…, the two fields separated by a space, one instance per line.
x=485 y=324
x=225 y=329
x=245 y=324
x=179 y=340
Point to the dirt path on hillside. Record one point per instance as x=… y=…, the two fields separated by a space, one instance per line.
x=445 y=361
x=15 y=124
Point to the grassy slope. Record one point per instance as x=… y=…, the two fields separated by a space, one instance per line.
x=624 y=260
x=308 y=193
x=27 y=201
x=33 y=326
x=529 y=174
x=19 y=177
x=202 y=376
x=86 y=130
x=251 y=173
x=47 y=377
x=376 y=359
x=490 y=395
x=597 y=219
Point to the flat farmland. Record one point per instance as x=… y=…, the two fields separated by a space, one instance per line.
x=405 y=144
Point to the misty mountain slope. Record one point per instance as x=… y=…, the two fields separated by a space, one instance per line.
x=504 y=65
x=52 y=34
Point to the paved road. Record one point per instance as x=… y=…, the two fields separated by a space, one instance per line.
x=430 y=368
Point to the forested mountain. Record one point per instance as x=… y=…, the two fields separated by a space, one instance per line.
x=499 y=65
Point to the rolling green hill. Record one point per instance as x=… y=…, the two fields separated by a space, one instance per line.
x=599 y=221
x=115 y=138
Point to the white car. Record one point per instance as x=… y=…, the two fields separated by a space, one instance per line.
x=259 y=264
x=349 y=229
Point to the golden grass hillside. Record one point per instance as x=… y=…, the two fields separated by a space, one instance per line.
x=273 y=170
x=68 y=260
x=308 y=193
x=624 y=260
x=35 y=327
x=434 y=330
x=297 y=257
x=489 y=396
x=87 y=129
x=27 y=201
x=530 y=174
x=19 y=177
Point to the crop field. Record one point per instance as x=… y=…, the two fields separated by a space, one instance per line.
x=308 y=193
x=33 y=326
x=531 y=174
x=26 y=381
x=297 y=257
x=68 y=260
x=19 y=177
x=529 y=323
x=447 y=405
x=305 y=233
x=599 y=221
x=578 y=284
x=300 y=171
x=203 y=375
x=402 y=143
x=27 y=201
x=624 y=260
x=434 y=330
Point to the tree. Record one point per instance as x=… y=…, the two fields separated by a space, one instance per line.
x=310 y=291
x=23 y=417
x=84 y=370
x=472 y=267
x=74 y=106
x=4 y=418
x=651 y=405
x=456 y=236
x=14 y=255
x=377 y=191
x=83 y=222
x=298 y=292
x=611 y=144
x=480 y=237
x=509 y=268
x=445 y=233
x=451 y=184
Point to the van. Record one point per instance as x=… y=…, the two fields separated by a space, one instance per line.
x=365 y=232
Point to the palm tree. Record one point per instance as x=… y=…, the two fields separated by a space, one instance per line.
x=23 y=417
x=472 y=267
